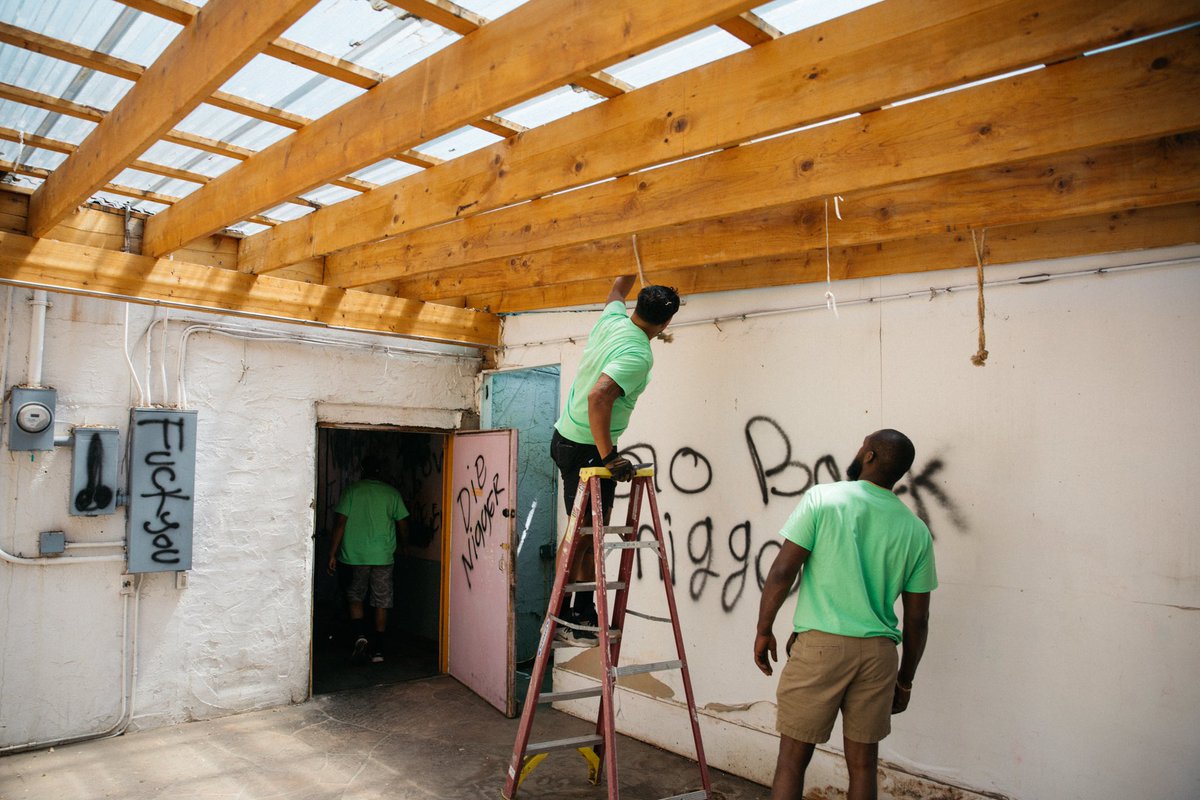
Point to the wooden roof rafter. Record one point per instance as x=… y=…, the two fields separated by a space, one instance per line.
x=1099 y=181
x=69 y=108
x=454 y=86
x=1134 y=229
x=50 y=264
x=749 y=86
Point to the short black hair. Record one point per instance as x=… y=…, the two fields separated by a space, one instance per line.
x=372 y=466
x=657 y=304
x=895 y=452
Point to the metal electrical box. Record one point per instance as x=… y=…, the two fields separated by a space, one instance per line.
x=94 y=479
x=32 y=418
x=162 y=483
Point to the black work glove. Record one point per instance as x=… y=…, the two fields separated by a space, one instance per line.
x=620 y=467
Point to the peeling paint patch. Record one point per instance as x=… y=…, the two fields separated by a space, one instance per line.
x=588 y=663
x=725 y=708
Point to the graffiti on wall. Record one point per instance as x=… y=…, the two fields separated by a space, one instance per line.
x=722 y=560
x=477 y=504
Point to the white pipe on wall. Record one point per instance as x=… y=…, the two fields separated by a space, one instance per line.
x=39 y=302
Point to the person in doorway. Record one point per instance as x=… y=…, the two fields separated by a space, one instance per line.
x=860 y=548
x=370 y=514
x=613 y=373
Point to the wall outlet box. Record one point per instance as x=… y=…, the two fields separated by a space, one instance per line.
x=52 y=543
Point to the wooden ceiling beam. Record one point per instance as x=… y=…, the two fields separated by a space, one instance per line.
x=891 y=50
x=442 y=12
x=119 y=67
x=181 y=13
x=501 y=64
x=59 y=266
x=463 y=22
x=1140 y=175
x=1079 y=104
x=1135 y=229
x=750 y=28
x=499 y=126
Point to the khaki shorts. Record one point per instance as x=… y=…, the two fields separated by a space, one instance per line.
x=825 y=673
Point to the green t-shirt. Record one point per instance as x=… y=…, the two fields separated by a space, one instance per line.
x=372 y=509
x=866 y=548
x=619 y=349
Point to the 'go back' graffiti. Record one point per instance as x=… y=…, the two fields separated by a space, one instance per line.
x=724 y=563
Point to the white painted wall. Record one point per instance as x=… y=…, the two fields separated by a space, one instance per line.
x=237 y=637
x=1064 y=635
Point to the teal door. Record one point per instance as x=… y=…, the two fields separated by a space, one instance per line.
x=527 y=399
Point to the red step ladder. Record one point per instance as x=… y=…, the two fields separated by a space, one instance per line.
x=601 y=748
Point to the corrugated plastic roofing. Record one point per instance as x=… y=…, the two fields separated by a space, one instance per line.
x=370 y=33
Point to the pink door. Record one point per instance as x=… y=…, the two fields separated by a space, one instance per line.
x=482 y=509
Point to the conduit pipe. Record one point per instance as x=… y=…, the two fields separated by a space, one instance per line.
x=933 y=291
x=129 y=650
x=39 y=302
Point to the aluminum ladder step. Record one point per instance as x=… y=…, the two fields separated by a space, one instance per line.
x=624 y=545
x=638 y=669
x=590 y=586
x=572 y=743
x=621 y=530
x=572 y=694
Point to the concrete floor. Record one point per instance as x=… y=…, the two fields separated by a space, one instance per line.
x=423 y=739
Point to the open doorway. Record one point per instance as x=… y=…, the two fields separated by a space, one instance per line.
x=412 y=462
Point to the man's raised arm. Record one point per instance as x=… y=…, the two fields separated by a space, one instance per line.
x=620 y=288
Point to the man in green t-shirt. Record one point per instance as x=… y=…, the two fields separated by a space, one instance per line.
x=369 y=515
x=860 y=548
x=613 y=373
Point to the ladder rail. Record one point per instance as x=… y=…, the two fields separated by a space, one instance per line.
x=525 y=728
x=679 y=648
x=600 y=748
x=605 y=719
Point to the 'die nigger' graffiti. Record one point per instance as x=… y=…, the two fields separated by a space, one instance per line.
x=162 y=480
x=477 y=511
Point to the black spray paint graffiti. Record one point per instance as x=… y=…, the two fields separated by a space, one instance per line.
x=477 y=511
x=778 y=475
x=163 y=478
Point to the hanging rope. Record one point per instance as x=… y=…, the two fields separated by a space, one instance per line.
x=638 y=258
x=830 y=300
x=981 y=354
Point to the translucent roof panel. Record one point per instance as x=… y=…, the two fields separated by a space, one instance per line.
x=69 y=129
x=60 y=79
x=550 y=106
x=136 y=203
x=410 y=42
x=387 y=171
x=155 y=183
x=173 y=155
x=790 y=16
x=490 y=9
x=231 y=127
x=328 y=195
x=86 y=24
x=248 y=228
x=21 y=117
x=30 y=156
x=459 y=142
x=279 y=84
x=288 y=211
x=678 y=56
x=144 y=40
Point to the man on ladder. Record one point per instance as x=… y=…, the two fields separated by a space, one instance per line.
x=613 y=373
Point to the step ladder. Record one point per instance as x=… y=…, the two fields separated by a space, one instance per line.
x=600 y=749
